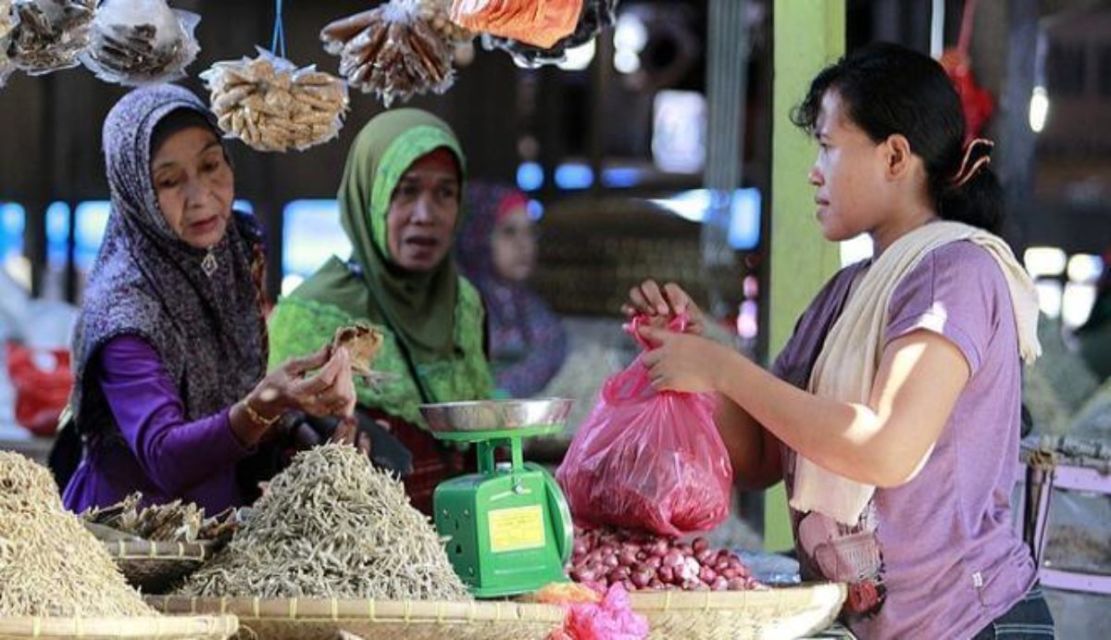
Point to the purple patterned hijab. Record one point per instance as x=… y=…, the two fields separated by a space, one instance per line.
x=527 y=341
x=207 y=329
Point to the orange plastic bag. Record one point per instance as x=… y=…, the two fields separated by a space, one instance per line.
x=40 y=393
x=537 y=22
x=648 y=460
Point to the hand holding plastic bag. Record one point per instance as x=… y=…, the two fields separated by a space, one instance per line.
x=647 y=459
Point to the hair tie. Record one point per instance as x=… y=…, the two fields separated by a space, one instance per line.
x=968 y=170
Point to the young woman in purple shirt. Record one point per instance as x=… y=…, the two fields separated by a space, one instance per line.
x=933 y=554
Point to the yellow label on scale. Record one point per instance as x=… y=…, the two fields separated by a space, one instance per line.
x=516 y=529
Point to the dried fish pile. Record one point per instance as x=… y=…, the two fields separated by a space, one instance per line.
x=332 y=526
x=271 y=105
x=141 y=41
x=171 y=522
x=50 y=34
x=49 y=564
x=393 y=50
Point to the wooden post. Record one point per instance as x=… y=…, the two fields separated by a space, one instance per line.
x=808 y=36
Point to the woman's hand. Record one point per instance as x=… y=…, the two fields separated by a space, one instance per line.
x=661 y=303
x=330 y=391
x=682 y=362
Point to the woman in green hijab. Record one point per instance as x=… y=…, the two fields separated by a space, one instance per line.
x=399 y=206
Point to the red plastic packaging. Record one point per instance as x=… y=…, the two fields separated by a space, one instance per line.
x=40 y=394
x=647 y=459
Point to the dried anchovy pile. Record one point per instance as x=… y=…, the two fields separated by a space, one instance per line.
x=332 y=526
x=173 y=522
x=392 y=50
x=50 y=33
x=271 y=105
x=49 y=564
x=156 y=48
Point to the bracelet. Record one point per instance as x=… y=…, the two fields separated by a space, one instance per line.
x=256 y=417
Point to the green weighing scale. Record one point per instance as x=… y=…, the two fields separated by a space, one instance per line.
x=508 y=527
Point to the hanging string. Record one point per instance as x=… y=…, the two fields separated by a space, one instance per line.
x=277 y=42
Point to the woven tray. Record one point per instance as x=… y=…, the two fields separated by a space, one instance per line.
x=168 y=627
x=153 y=567
x=325 y=619
x=765 y=614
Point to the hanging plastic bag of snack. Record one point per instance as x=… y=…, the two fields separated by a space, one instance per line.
x=50 y=34
x=141 y=41
x=596 y=16
x=395 y=50
x=271 y=105
x=7 y=24
x=538 y=22
x=647 y=459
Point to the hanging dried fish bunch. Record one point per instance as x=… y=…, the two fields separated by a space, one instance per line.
x=141 y=41
x=332 y=526
x=271 y=105
x=50 y=34
x=49 y=564
x=392 y=51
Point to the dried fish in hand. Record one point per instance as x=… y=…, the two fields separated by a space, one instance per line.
x=50 y=34
x=141 y=41
x=332 y=526
x=395 y=50
x=171 y=522
x=271 y=105
x=49 y=564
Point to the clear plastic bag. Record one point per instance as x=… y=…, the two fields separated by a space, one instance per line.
x=50 y=34
x=138 y=42
x=648 y=460
x=271 y=105
x=393 y=50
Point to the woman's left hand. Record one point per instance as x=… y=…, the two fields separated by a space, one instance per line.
x=683 y=362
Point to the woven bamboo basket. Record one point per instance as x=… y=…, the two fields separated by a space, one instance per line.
x=326 y=619
x=155 y=566
x=161 y=627
x=764 y=614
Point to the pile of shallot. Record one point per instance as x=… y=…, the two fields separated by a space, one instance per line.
x=640 y=561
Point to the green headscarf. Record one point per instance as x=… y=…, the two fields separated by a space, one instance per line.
x=433 y=320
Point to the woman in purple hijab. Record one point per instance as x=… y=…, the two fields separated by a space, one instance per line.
x=171 y=392
x=497 y=252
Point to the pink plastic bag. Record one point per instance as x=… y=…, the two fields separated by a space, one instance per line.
x=611 y=619
x=648 y=460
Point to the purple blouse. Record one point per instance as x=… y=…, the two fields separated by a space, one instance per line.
x=160 y=454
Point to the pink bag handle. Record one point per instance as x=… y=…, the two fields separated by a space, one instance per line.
x=632 y=382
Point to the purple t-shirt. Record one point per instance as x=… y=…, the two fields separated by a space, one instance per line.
x=159 y=453
x=947 y=559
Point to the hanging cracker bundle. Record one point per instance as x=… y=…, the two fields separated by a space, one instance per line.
x=49 y=564
x=50 y=34
x=332 y=526
x=7 y=24
x=596 y=16
x=392 y=51
x=141 y=41
x=271 y=105
x=438 y=14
